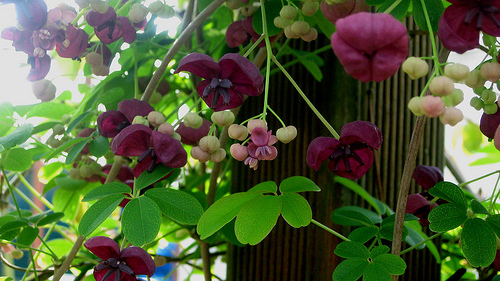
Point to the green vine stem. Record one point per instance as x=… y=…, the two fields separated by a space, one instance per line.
x=58 y=273
x=479 y=178
x=330 y=230
x=422 y=243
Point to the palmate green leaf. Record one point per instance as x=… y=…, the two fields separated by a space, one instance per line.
x=264 y=187
x=13 y=225
x=386 y=231
x=70 y=184
x=295 y=210
x=393 y=264
x=451 y=193
x=376 y=272
x=363 y=234
x=478 y=208
x=148 y=178
x=105 y=190
x=350 y=269
x=50 y=110
x=50 y=218
x=352 y=216
x=98 y=212
x=50 y=171
x=351 y=249
x=27 y=236
x=352 y=185
x=99 y=146
x=44 y=126
x=379 y=250
x=75 y=151
x=257 y=218
x=17 y=159
x=177 y=205
x=19 y=136
x=434 y=9
x=478 y=242
x=399 y=11
x=324 y=25
x=141 y=220
x=494 y=222
x=63 y=147
x=77 y=120
x=222 y=212
x=298 y=184
x=446 y=217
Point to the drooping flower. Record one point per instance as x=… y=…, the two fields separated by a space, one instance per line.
x=75 y=44
x=341 y=10
x=39 y=68
x=152 y=147
x=109 y=27
x=227 y=82
x=121 y=265
x=236 y=35
x=419 y=206
x=111 y=122
x=371 y=47
x=489 y=123
x=461 y=22
x=427 y=176
x=351 y=155
x=31 y=14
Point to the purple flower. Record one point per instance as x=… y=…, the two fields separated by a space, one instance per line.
x=191 y=136
x=427 y=176
x=232 y=78
x=152 y=147
x=461 y=22
x=117 y=265
x=419 y=206
x=39 y=68
x=260 y=147
x=351 y=155
x=489 y=123
x=109 y=28
x=111 y=122
x=31 y=14
x=371 y=47
x=75 y=44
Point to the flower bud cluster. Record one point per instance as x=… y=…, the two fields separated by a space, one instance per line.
x=208 y=150
x=89 y=171
x=486 y=98
x=161 y=10
x=294 y=28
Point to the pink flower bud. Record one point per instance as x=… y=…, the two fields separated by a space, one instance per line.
x=432 y=106
x=286 y=134
x=238 y=151
x=238 y=132
x=311 y=35
x=218 y=155
x=451 y=116
x=209 y=143
x=176 y=136
x=490 y=71
x=156 y=118
x=166 y=128
x=256 y=123
x=415 y=67
x=192 y=120
x=442 y=86
x=200 y=155
x=334 y=10
x=44 y=90
x=457 y=72
x=223 y=118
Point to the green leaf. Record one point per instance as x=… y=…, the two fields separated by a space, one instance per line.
x=375 y=2
x=298 y=184
x=351 y=249
x=77 y=120
x=148 y=178
x=3 y=278
x=105 y=190
x=99 y=146
x=350 y=216
x=98 y=212
x=141 y=220
x=63 y=147
x=177 y=205
x=50 y=110
x=257 y=218
x=272 y=10
x=399 y=11
x=478 y=208
x=435 y=9
x=379 y=250
x=44 y=127
x=478 y=243
x=363 y=234
x=295 y=210
x=70 y=184
x=494 y=222
x=49 y=171
x=17 y=160
x=350 y=269
x=415 y=230
x=472 y=137
x=324 y=25
x=359 y=190
x=313 y=68
x=1 y=148
x=387 y=231
x=54 y=217
x=393 y=264
x=75 y=151
x=264 y=187
x=27 y=236
x=451 y=193
x=222 y=212
x=376 y=272
x=12 y=225
x=446 y=217
x=19 y=136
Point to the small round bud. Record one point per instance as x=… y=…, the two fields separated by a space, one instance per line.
x=218 y=155
x=288 y=12
x=310 y=8
x=234 y=4
x=176 y=136
x=58 y=129
x=192 y=120
x=477 y=103
x=311 y=35
x=93 y=59
x=281 y=22
x=140 y=120
x=138 y=13
x=65 y=119
x=300 y=27
x=53 y=142
x=415 y=106
x=248 y=11
x=223 y=118
x=101 y=70
x=96 y=168
x=475 y=80
x=99 y=6
x=209 y=143
x=199 y=154
x=166 y=128
x=238 y=151
x=74 y=173
x=457 y=72
x=286 y=134
x=451 y=116
x=156 y=118
x=490 y=71
x=490 y=108
x=17 y=254
x=454 y=99
x=44 y=90
x=442 y=86
x=82 y=3
x=238 y=132
x=155 y=98
x=86 y=171
x=289 y=33
x=256 y=123
x=415 y=67
x=488 y=96
x=156 y=8
x=432 y=106
x=160 y=260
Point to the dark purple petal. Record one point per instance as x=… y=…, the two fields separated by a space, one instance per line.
x=357 y=170
x=31 y=14
x=415 y=202
x=244 y=75
x=108 y=123
x=341 y=10
x=236 y=35
x=319 y=150
x=490 y=26
x=236 y=99
x=106 y=54
x=21 y=39
x=260 y=137
x=361 y=131
x=138 y=260
x=489 y=123
x=96 y=19
x=201 y=65
x=427 y=176
x=78 y=42
x=169 y=150
x=132 y=141
x=103 y=247
x=39 y=68
x=124 y=174
x=127 y=29
x=454 y=34
x=133 y=107
x=191 y=136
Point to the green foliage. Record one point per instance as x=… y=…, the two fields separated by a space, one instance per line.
x=272 y=8
x=27 y=236
x=434 y=9
x=16 y=159
x=257 y=218
x=105 y=190
x=446 y=217
x=141 y=220
x=478 y=242
x=177 y=205
x=295 y=210
x=298 y=184
x=352 y=185
x=147 y=178
x=98 y=212
x=17 y=137
x=450 y=192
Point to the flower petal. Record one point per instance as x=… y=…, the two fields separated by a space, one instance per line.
x=415 y=202
x=39 y=69
x=260 y=137
x=454 y=33
x=132 y=141
x=357 y=170
x=127 y=29
x=244 y=75
x=78 y=39
x=201 y=65
x=363 y=131
x=103 y=247
x=236 y=35
x=107 y=123
x=489 y=123
x=427 y=176
x=138 y=260
x=319 y=150
x=133 y=107
x=169 y=150
x=95 y=19
x=191 y=136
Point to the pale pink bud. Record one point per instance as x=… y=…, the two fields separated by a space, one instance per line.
x=176 y=136
x=415 y=67
x=256 y=123
x=156 y=118
x=289 y=33
x=209 y=143
x=442 y=86
x=286 y=134
x=238 y=151
x=432 y=106
x=101 y=70
x=166 y=128
x=138 y=13
x=223 y=118
x=415 y=106
x=490 y=71
x=238 y=132
x=43 y=90
x=218 y=155
x=311 y=35
x=200 y=155
x=457 y=72
x=451 y=116
x=474 y=79
x=94 y=59
x=192 y=120
x=99 y=6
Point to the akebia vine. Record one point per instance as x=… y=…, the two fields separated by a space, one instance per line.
x=142 y=158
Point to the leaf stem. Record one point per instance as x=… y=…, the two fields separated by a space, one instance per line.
x=479 y=178
x=393 y=6
x=421 y=243
x=330 y=230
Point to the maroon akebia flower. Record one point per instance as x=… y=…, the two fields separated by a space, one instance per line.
x=39 y=68
x=31 y=14
x=351 y=155
x=496 y=261
x=371 y=47
x=427 y=176
x=260 y=147
x=118 y=265
x=227 y=82
x=419 y=206
x=341 y=10
x=191 y=136
x=489 y=123
x=109 y=27
x=75 y=44
x=111 y=122
x=460 y=24
x=242 y=31
x=152 y=147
